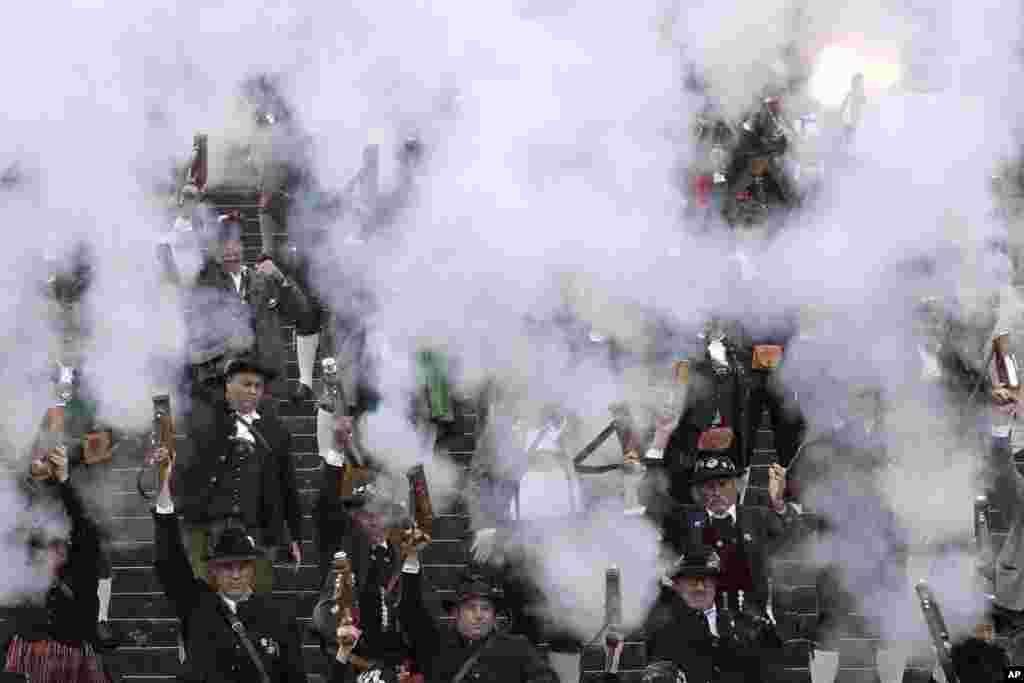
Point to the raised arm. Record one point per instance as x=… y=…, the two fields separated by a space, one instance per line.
x=84 y=548
x=420 y=627
x=171 y=561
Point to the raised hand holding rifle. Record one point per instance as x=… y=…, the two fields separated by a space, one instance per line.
x=614 y=641
x=344 y=601
x=416 y=536
x=163 y=459
x=161 y=439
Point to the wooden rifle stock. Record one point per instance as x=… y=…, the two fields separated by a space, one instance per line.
x=423 y=509
x=161 y=436
x=344 y=604
x=163 y=431
x=1006 y=369
x=198 y=167
x=52 y=436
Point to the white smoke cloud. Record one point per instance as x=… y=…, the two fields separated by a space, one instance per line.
x=558 y=158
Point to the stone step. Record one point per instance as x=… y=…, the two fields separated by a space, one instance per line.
x=153 y=605
x=136 y=528
x=140 y=554
x=625 y=676
x=154 y=661
x=143 y=579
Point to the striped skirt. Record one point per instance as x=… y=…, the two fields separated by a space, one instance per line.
x=47 y=661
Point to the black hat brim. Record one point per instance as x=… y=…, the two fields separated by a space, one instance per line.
x=233 y=367
x=695 y=572
x=710 y=476
x=449 y=604
x=234 y=557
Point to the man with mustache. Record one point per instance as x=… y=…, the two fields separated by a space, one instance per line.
x=742 y=535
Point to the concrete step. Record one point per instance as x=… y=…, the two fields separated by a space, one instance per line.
x=136 y=528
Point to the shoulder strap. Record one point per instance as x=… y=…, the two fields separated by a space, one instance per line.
x=258 y=434
x=243 y=638
x=468 y=664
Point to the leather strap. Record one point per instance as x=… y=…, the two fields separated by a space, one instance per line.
x=468 y=664
x=243 y=638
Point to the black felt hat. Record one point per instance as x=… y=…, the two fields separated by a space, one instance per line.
x=663 y=671
x=475 y=586
x=702 y=561
x=714 y=466
x=369 y=496
x=235 y=545
x=248 y=363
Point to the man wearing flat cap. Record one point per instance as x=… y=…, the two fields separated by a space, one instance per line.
x=742 y=535
x=705 y=639
x=239 y=471
x=230 y=632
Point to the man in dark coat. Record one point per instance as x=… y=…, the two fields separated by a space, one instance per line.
x=235 y=309
x=376 y=561
x=713 y=402
x=474 y=649
x=744 y=536
x=240 y=472
x=293 y=208
x=214 y=651
x=709 y=642
x=760 y=346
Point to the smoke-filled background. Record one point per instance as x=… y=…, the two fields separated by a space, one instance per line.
x=553 y=131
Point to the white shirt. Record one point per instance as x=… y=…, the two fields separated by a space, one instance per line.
x=333 y=458
x=243 y=426
x=731 y=512
x=236 y=278
x=232 y=604
x=712 y=617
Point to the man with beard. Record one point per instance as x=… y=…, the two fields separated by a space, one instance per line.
x=743 y=536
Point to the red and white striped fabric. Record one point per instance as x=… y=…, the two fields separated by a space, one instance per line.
x=47 y=661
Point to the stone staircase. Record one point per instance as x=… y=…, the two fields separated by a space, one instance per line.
x=140 y=611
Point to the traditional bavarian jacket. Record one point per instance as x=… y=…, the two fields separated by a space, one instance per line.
x=215 y=653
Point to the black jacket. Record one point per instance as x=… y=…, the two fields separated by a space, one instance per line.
x=214 y=652
x=378 y=642
x=710 y=395
x=759 y=532
x=745 y=650
x=222 y=320
x=260 y=489
x=440 y=653
x=69 y=612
